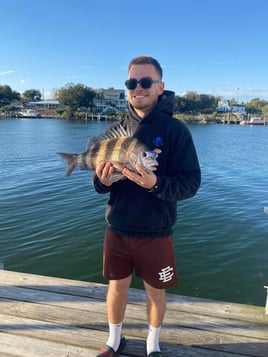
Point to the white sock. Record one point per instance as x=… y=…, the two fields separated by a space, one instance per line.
x=152 y=343
x=114 y=335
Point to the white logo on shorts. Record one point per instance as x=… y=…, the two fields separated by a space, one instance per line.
x=166 y=274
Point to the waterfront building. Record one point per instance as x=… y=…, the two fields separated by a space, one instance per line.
x=110 y=101
x=107 y=101
x=225 y=107
x=45 y=104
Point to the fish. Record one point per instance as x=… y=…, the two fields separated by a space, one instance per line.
x=118 y=146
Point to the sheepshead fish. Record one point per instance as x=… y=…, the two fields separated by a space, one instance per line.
x=117 y=146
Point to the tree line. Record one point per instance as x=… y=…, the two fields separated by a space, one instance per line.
x=79 y=97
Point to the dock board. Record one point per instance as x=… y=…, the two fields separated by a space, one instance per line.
x=46 y=316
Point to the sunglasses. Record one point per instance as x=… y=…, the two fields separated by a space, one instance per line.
x=145 y=83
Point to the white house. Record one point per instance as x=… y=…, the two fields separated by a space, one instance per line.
x=51 y=104
x=106 y=101
x=110 y=101
x=238 y=108
x=225 y=107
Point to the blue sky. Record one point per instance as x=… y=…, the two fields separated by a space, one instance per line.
x=211 y=47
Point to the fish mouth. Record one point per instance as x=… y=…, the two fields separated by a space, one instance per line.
x=152 y=165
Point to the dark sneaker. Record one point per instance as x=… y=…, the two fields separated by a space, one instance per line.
x=107 y=351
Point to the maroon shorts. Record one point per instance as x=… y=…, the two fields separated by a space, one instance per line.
x=152 y=259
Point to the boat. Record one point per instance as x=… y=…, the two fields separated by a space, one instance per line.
x=28 y=113
x=253 y=121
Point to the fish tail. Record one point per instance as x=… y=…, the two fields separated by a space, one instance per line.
x=71 y=161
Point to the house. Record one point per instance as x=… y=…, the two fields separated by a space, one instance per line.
x=238 y=108
x=225 y=107
x=46 y=104
x=109 y=101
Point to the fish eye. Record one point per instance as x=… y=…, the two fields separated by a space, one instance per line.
x=144 y=154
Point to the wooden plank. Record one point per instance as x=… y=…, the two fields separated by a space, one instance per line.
x=98 y=291
x=48 y=283
x=61 y=312
x=266 y=287
x=135 y=312
x=50 y=298
x=64 y=320
x=33 y=331
x=132 y=327
x=181 y=318
x=23 y=346
x=57 y=332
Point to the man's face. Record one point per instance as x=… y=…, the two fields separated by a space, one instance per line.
x=143 y=100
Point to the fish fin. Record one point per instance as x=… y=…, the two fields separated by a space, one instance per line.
x=115 y=131
x=116 y=176
x=118 y=165
x=71 y=161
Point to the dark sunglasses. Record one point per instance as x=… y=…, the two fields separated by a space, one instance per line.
x=145 y=82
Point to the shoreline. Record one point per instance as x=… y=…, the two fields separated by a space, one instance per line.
x=190 y=119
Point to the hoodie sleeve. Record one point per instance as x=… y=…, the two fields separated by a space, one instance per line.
x=183 y=177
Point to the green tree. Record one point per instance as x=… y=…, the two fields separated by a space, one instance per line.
x=255 y=106
x=192 y=102
x=76 y=96
x=232 y=101
x=265 y=110
x=7 y=95
x=31 y=95
x=208 y=103
x=179 y=104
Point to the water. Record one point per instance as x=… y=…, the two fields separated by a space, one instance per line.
x=53 y=225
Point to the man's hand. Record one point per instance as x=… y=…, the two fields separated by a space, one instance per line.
x=142 y=178
x=104 y=171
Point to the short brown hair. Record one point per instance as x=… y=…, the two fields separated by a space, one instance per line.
x=146 y=60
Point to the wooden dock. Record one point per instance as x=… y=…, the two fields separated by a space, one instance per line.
x=45 y=316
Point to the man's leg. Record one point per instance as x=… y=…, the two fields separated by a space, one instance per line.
x=156 y=307
x=116 y=306
x=117 y=299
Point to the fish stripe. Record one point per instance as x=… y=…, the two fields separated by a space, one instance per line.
x=109 y=149
x=114 y=149
x=130 y=145
x=102 y=152
x=125 y=147
x=120 y=149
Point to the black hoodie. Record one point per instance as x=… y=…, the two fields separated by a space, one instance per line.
x=133 y=210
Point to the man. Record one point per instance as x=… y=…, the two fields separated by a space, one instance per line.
x=142 y=208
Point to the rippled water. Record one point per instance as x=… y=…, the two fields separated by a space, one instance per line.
x=53 y=225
